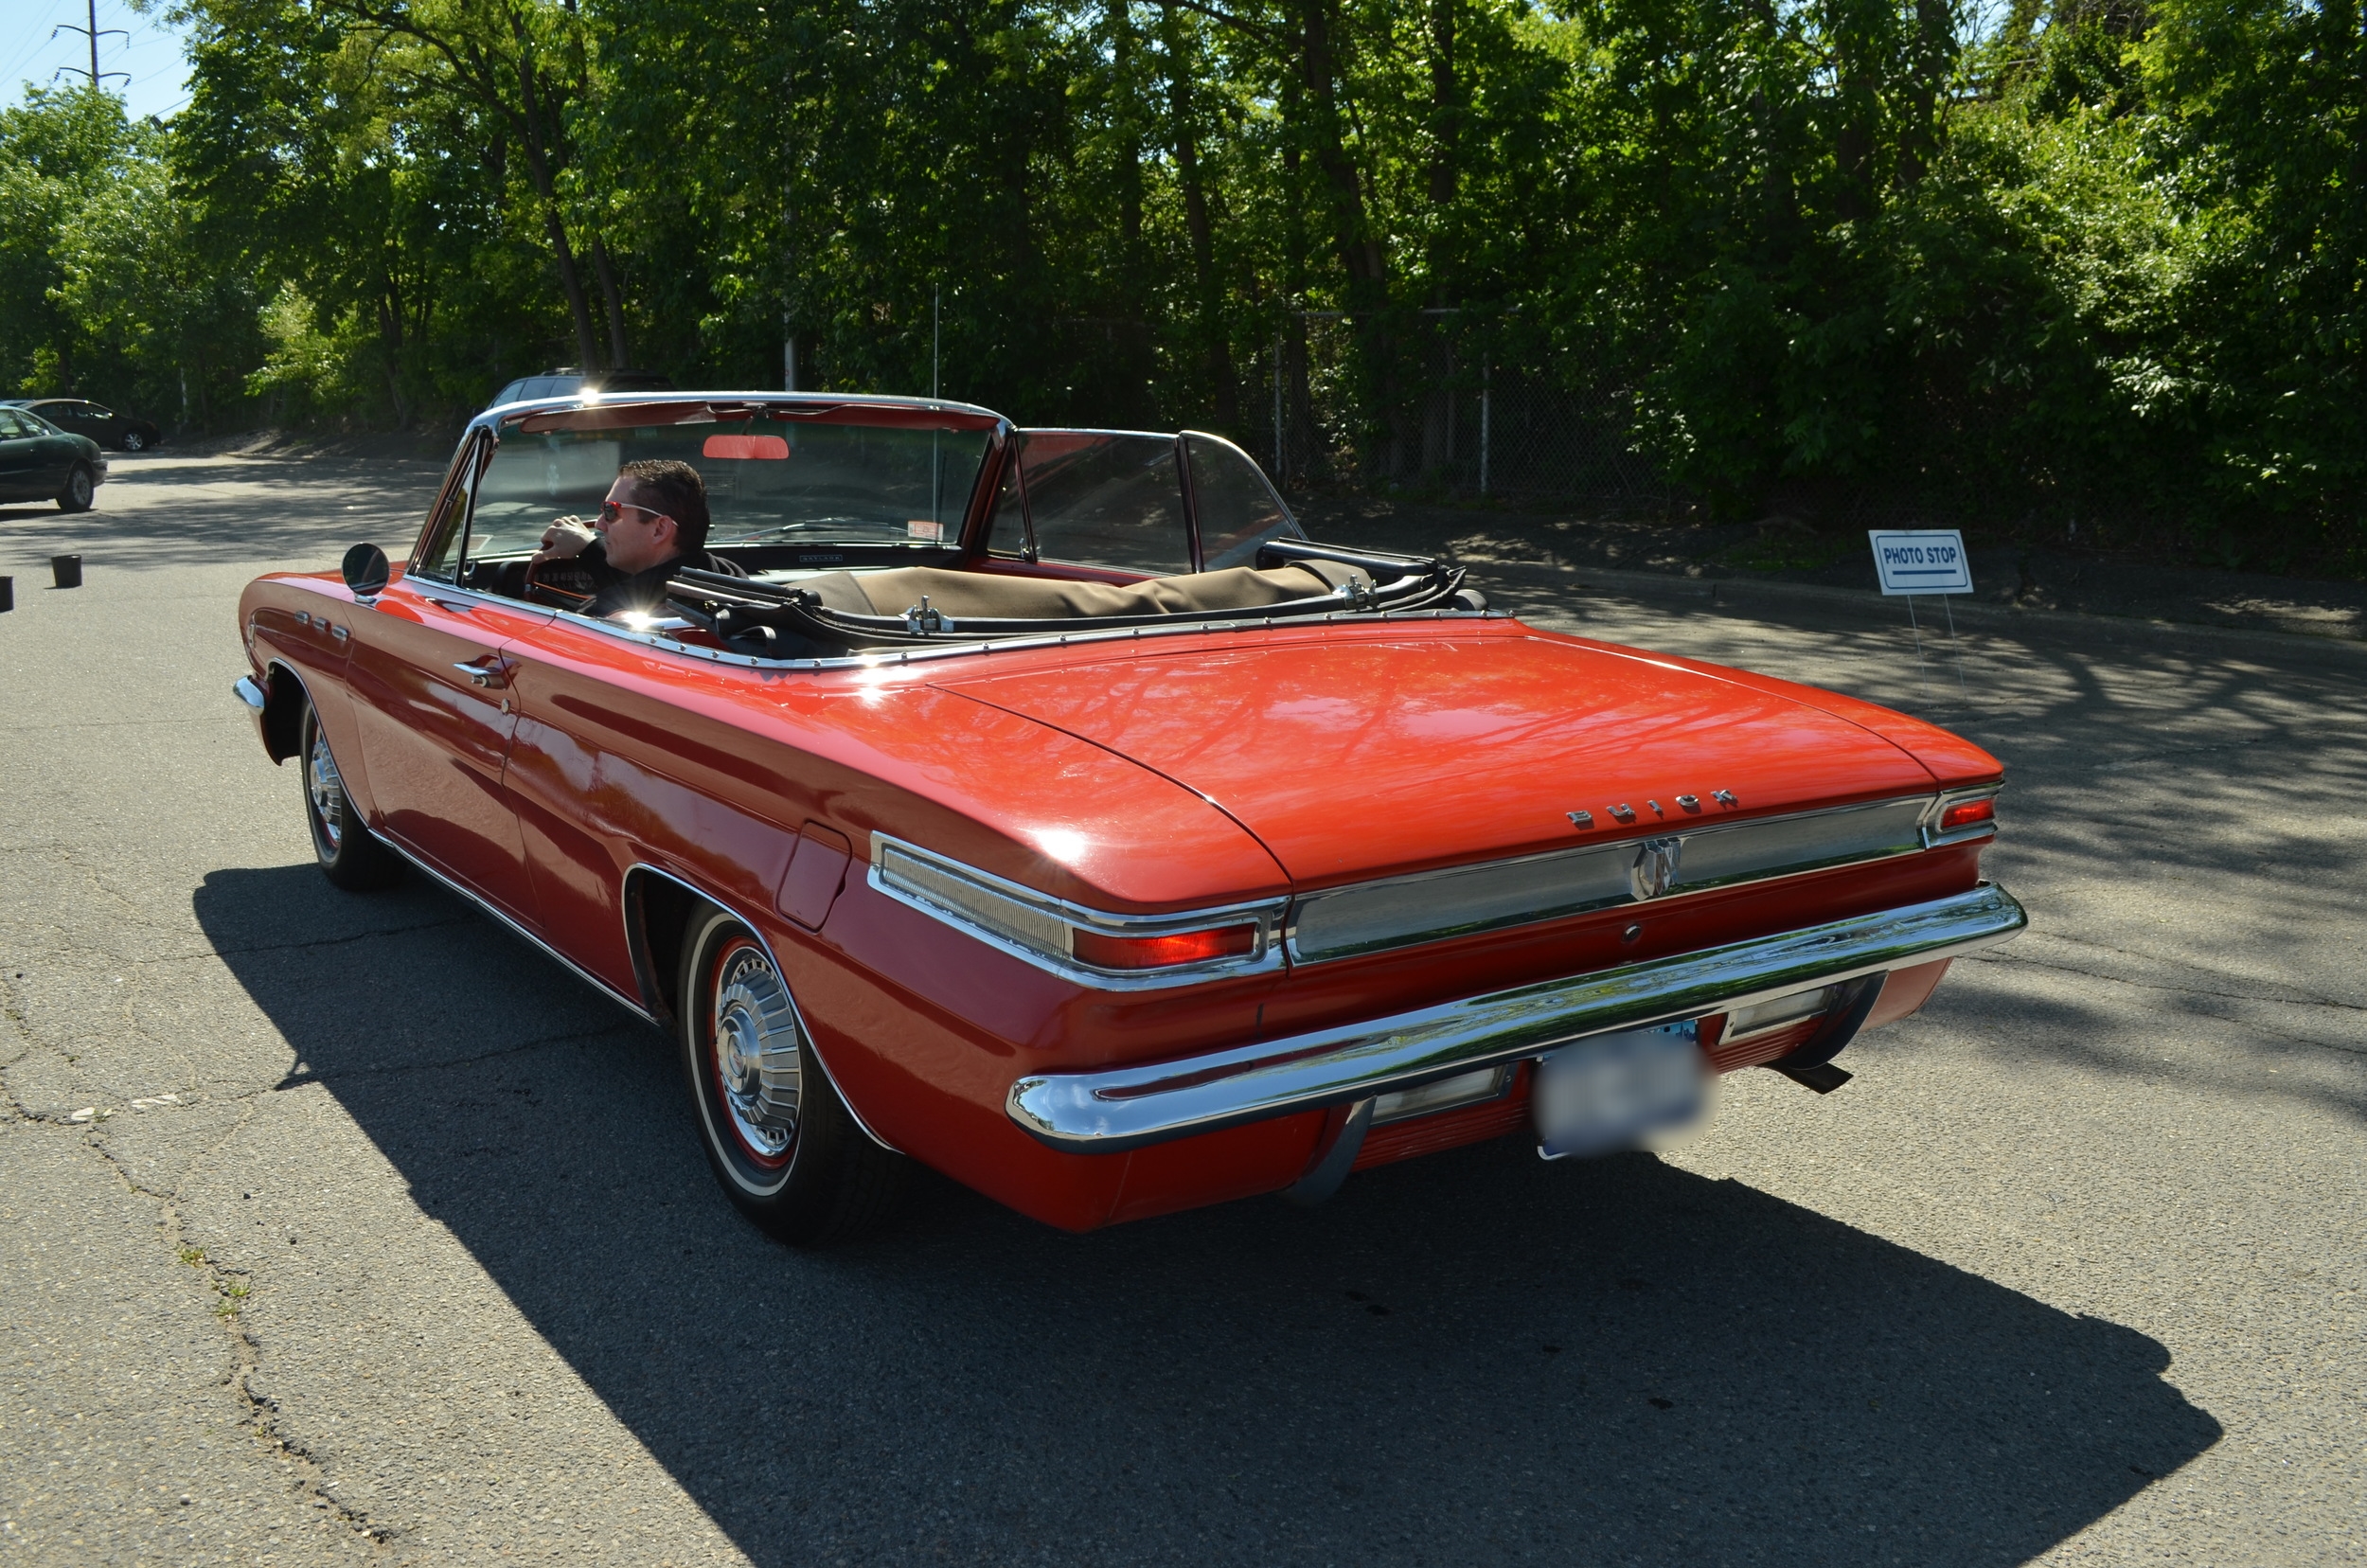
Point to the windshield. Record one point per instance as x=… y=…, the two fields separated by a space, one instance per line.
x=853 y=473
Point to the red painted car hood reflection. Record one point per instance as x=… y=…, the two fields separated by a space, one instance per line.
x=1363 y=755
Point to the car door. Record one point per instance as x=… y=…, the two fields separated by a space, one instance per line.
x=18 y=458
x=612 y=766
x=55 y=453
x=103 y=426
x=429 y=680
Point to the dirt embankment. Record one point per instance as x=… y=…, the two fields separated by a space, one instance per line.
x=1782 y=549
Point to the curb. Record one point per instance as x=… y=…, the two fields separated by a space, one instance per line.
x=1723 y=592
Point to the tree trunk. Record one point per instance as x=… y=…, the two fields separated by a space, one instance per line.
x=1934 y=46
x=1135 y=365
x=1359 y=251
x=617 y=356
x=1446 y=102
x=536 y=149
x=1216 y=347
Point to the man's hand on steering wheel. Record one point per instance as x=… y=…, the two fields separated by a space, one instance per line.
x=564 y=540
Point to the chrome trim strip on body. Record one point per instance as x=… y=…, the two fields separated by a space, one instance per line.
x=804 y=1030
x=489 y=907
x=1374 y=917
x=1116 y=1109
x=1035 y=927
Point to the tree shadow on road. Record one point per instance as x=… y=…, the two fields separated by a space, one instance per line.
x=1473 y=1357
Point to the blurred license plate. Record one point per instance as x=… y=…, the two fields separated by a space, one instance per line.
x=1606 y=1093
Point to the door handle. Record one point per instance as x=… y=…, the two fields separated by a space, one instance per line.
x=491 y=676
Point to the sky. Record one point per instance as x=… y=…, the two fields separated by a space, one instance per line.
x=29 y=57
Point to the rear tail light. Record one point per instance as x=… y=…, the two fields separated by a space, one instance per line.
x=1144 y=952
x=1963 y=815
x=1965 y=812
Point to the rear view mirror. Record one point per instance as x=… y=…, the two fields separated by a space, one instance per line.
x=366 y=571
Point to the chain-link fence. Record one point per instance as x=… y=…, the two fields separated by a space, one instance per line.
x=1443 y=409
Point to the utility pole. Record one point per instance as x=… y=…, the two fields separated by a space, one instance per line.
x=93 y=32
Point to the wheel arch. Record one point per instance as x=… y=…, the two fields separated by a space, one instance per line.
x=284 y=696
x=659 y=906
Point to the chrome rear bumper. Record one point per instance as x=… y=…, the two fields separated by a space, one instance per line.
x=1122 y=1108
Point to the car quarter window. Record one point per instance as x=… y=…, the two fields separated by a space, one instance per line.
x=439 y=552
x=1099 y=498
x=11 y=426
x=1007 y=534
x=1236 y=509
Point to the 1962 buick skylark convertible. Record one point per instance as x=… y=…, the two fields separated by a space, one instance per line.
x=1042 y=806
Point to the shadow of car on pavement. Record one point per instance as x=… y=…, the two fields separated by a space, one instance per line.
x=1476 y=1356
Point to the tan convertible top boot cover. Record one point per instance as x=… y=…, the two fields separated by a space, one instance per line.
x=992 y=596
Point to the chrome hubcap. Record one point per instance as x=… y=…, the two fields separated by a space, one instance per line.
x=757 y=1058
x=329 y=795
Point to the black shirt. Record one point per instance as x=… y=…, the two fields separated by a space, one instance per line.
x=614 y=592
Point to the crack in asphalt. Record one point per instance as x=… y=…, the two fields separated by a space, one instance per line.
x=2171 y=989
x=261 y=1410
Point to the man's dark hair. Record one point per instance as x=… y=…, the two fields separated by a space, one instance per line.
x=675 y=488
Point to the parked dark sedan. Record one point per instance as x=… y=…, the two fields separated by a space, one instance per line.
x=40 y=462
x=104 y=425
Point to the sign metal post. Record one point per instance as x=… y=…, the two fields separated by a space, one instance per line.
x=1912 y=562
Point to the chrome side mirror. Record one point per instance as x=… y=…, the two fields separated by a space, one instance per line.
x=366 y=572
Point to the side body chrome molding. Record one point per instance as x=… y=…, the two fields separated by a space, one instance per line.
x=1122 y=1108
x=582 y=973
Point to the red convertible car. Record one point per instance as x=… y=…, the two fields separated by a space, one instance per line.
x=1042 y=806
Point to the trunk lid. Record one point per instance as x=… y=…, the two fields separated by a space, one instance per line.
x=1368 y=755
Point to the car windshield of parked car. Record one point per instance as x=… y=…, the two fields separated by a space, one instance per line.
x=850 y=475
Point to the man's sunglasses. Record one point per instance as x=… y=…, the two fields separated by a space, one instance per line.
x=613 y=512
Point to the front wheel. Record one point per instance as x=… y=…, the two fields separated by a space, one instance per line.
x=135 y=441
x=780 y=1140
x=349 y=854
x=82 y=488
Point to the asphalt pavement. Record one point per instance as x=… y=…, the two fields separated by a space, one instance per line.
x=339 y=1228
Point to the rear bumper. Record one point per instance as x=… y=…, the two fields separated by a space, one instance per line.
x=1122 y=1108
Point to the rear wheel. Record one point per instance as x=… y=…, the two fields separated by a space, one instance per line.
x=781 y=1141
x=82 y=488
x=349 y=854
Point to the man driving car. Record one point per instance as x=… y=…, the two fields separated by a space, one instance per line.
x=652 y=525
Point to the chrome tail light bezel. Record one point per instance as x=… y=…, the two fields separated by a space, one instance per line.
x=1039 y=929
x=1987 y=828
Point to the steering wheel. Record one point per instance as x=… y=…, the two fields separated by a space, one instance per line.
x=562 y=584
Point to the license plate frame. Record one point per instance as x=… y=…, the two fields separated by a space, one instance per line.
x=1610 y=1092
